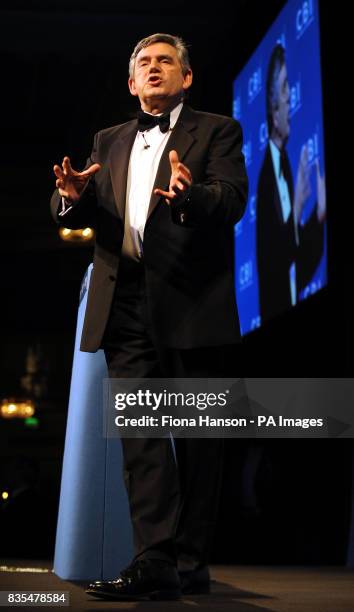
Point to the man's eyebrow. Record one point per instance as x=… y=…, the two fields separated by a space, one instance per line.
x=159 y=57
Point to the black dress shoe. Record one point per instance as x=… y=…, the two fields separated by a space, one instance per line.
x=195 y=582
x=144 y=579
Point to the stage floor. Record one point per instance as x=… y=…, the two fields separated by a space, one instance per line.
x=234 y=588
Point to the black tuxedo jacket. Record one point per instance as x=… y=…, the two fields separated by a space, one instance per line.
x=188 y=252
x=276 y=243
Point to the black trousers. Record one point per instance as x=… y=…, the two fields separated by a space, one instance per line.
x=173 y=504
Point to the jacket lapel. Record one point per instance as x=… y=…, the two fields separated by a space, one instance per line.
x=181 y=140
x=119 y=163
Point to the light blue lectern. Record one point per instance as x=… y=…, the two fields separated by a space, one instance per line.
x=94 y=535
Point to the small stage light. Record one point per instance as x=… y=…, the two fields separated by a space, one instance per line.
x=20 y=409
x=85 y=234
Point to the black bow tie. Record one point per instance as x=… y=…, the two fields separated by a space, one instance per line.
x=147 y=122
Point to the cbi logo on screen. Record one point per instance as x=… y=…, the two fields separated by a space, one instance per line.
x=247 y=151
x=252 y=208
x=255 y=323
x=263 y=135
x=254 y=84
x=295 y=97
x=237 y=108
x=245 y=275
x=304 y=17
x=251 y=215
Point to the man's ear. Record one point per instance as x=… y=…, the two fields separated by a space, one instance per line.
x=187 y=80
x=275 y=116
x=132 y=88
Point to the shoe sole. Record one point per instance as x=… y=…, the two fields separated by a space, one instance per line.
x=153 y=595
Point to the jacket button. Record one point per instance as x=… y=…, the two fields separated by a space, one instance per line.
x=111 y=277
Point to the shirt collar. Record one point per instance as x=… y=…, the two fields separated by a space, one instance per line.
x=276 y=157
x=175 y=112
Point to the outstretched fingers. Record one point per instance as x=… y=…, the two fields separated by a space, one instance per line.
x=186 y=173
x=177 y=166
x=91 y=170
x=174 y=160
x=181 y=180
x=58 y=171
x=67 y=169
x=168 y=195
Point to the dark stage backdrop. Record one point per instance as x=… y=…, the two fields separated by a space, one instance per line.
x=64 y=74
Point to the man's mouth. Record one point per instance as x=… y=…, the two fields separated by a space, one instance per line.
x=154 y=80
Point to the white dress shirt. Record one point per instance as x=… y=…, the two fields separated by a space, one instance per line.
x=143 y=164
x=285 y=203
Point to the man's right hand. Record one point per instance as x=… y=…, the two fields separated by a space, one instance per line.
x=302 y=186
x=71 y=183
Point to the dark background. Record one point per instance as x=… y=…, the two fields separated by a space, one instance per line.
x=64 y=76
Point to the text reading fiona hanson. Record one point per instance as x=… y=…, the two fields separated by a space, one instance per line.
x=168 y=421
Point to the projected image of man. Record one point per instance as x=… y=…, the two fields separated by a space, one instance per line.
x=288 y=250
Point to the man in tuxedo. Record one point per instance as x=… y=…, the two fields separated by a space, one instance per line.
x=288 y=251
x=163 y=193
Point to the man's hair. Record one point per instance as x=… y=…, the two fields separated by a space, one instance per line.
x=276 y=62
x=174 y=41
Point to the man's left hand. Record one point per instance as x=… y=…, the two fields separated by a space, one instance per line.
x=180 y=182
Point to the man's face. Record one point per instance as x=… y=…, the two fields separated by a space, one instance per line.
x=158 y=74
x=281 y=113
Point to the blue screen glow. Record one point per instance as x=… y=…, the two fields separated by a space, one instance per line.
x=280 y=246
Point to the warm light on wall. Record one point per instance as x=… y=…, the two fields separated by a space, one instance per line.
x=5 y=495
x=79 y=235
x=19 y=409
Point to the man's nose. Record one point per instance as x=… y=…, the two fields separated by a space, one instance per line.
x=154 y=65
